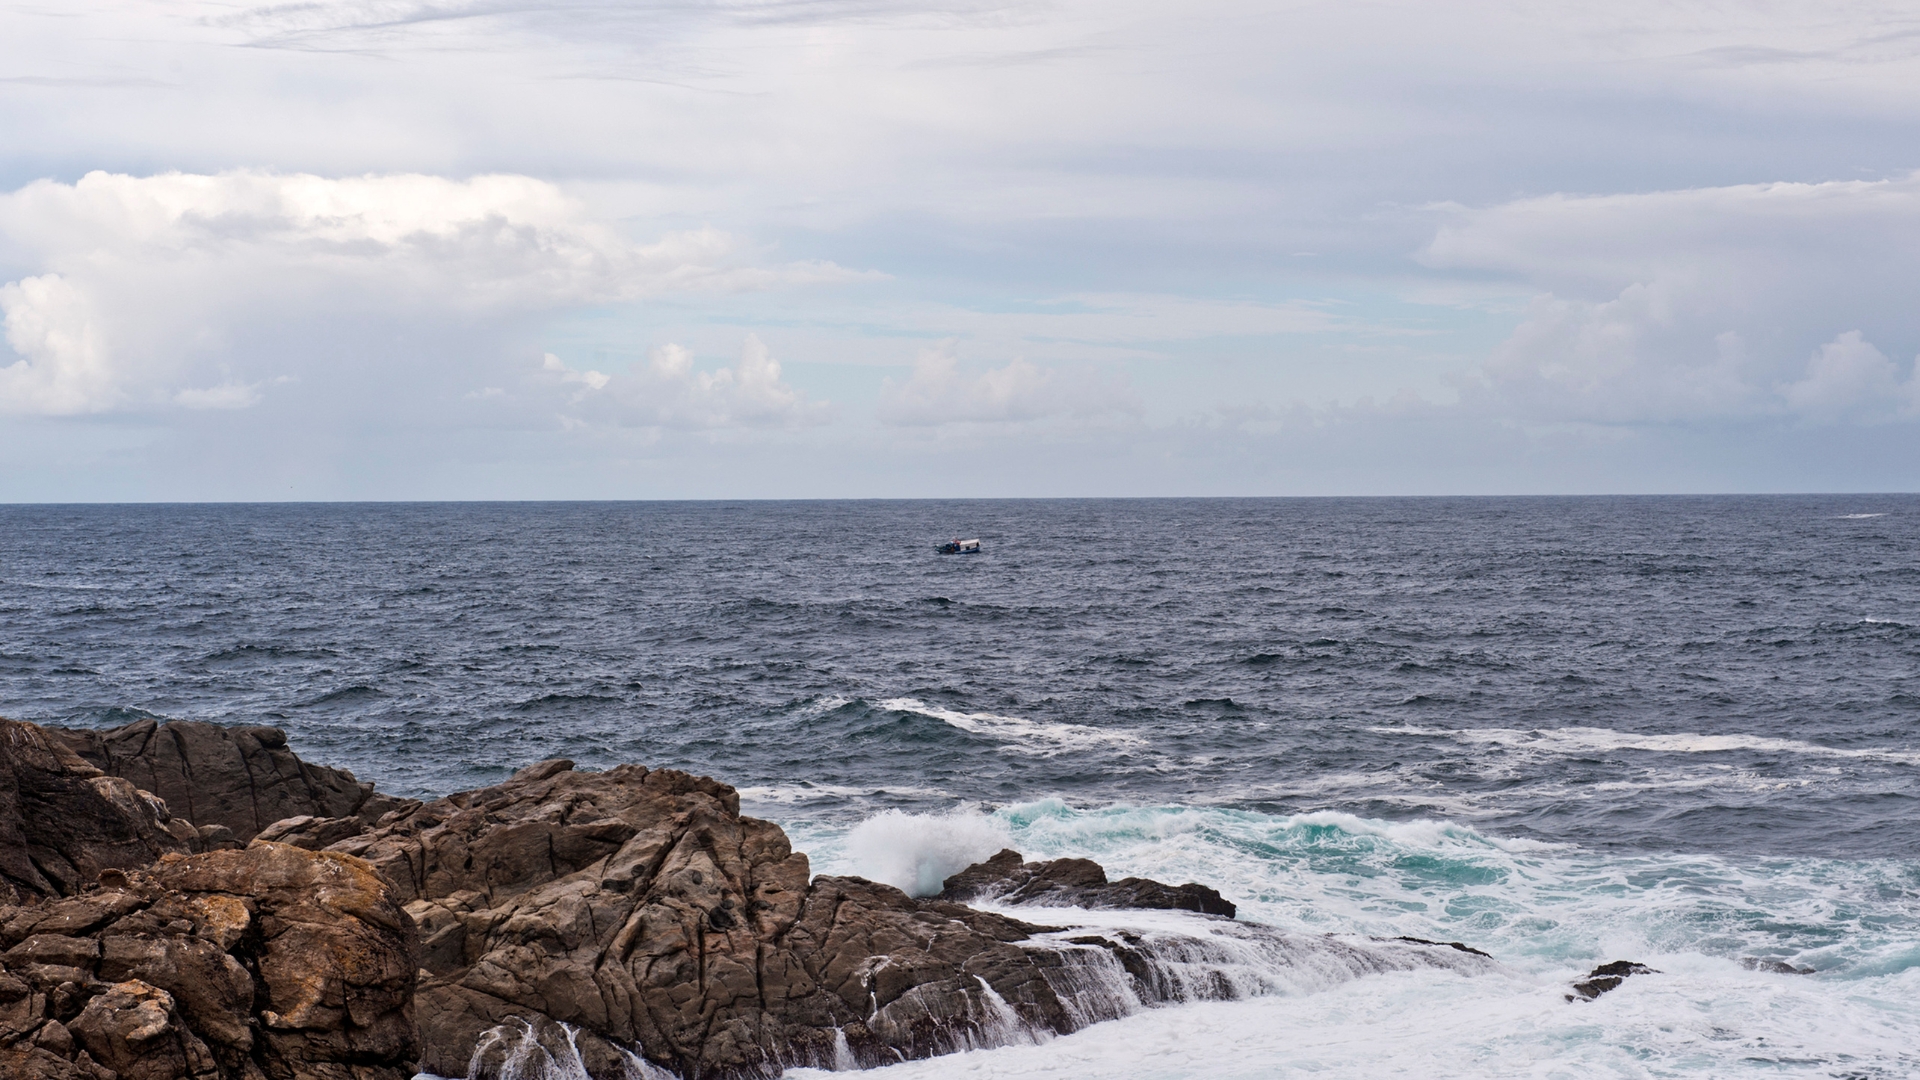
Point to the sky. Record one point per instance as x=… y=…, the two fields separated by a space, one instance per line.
x=591 y=249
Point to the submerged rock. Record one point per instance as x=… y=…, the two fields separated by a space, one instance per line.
x=1777 y=967
x=1607 y=977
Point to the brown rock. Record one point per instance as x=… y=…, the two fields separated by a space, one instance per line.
x=62 y=821
x=247 y=964
x=238 y=778
x=1075 y=883
x=639 y=909
x=133 y=1030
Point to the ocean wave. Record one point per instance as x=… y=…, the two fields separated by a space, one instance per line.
x=1022 y=735
x=347 y=695
x=1547 y=913
x=1686 y=1023
x=1571 y=740
x=1858 y=517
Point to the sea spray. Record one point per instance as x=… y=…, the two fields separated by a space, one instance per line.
x=1313 y=998
x=917 y=852
x=547 y=1050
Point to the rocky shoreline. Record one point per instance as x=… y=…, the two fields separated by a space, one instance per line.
x=183 y=900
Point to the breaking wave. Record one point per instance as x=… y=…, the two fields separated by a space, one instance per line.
x=1020 y=735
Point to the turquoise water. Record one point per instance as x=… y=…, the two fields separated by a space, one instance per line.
x=1548 y=912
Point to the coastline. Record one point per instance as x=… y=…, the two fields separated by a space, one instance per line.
x=630 y=918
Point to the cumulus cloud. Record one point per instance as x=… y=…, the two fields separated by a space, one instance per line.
x=63 y=365
x=139 y=280
x=1849 y=379
x=939 y=392
x=669 y=392
x=1704 y=303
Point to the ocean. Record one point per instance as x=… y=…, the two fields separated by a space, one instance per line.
x=1683 y=731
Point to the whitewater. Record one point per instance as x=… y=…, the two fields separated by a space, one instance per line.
x=1564 y=732
x=1718 y=931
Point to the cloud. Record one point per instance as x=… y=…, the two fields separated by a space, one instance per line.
x=229 y=396
x=1702 y=304
x=938 y=392
x=668 y=392
x=63 y=366
x=1849 y=379
x=142 y=281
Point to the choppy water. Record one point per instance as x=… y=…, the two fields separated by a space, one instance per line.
x=1676 y=730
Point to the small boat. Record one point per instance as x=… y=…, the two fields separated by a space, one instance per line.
x=959 y=547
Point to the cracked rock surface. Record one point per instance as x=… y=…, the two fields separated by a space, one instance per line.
x=640 y=906
x=238 y=779
x=269 y=963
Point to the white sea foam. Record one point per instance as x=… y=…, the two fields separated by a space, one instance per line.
x=1857 y=517
x=788 y=794
x=1433 y=1024
x=1573 y=740
x=918 y=852
x=1021 y=735
x=1548 y=913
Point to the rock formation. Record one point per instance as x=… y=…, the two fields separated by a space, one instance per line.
x=1607 y=977
x=624 y=921
x=640 y=909
x=1074 y=883
x=63 y=821
x=269 y=963
x=241 y=779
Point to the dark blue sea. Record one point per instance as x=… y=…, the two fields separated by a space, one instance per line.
x=1684 y=731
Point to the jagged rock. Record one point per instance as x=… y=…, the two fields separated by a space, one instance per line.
x=312 y=833
x=63 y=821
x=1459 y=945
x=641 y=907
x=1074 y=883
x=640 y=910
x=270 y=961
x=238 y=778
x=1607 y=977
x=601 y=917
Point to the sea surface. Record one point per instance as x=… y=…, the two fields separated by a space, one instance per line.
x=1681 y=731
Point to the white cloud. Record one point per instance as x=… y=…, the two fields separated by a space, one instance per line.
x=1702 y=304
x=1849 y=379
x=938 y=392
x=63 y=367
x=141 y=280
x=669 y=392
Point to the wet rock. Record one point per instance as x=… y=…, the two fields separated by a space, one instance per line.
x=1006 y=879
x=1607 y=977
x=1777 y=967
x=641 y=907
x=238 y=778
x=63 y=821
x=1460 y=946
x=232 y=965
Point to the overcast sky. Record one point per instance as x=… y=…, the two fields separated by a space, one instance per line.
x=795 y=248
